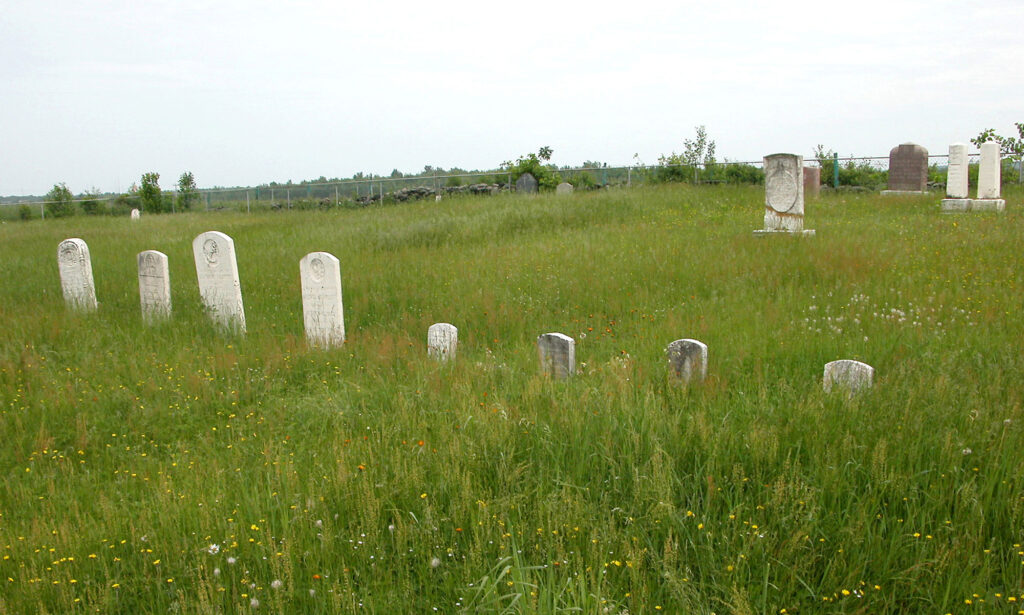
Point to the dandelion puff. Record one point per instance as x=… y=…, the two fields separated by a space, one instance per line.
x=231 y=560
x=312 y=592
x=216 y=572
x=435 y=562
x=319 y=523
x=254 y=603
x=391 y=527
x=276 y=584
x=967 y=451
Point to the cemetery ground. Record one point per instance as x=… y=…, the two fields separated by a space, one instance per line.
x=180 y=468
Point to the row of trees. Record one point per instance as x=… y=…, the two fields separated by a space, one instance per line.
x=146 y=195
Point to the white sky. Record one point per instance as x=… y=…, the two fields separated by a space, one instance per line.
x=239 y=93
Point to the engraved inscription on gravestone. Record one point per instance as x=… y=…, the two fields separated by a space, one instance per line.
x=322 y=310
x=154 y=285
x=989 y=170
x=526 y=183
x=688 y=360
x=135 y=215
x=75 y=268
x=908 y=168
x=557 y=353
x=217 y=272
x=442 y=341
x=784 y=194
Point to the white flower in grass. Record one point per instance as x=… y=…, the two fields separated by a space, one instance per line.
x=967 y=451
x=232 y=560
x=213 y=549
x=276 y=583
x=435 y=562
x=216 y=572
x=254 y=603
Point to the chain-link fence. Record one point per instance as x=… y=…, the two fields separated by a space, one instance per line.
x=868 y=172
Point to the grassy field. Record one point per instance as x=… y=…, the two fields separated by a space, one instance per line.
x=178 y=468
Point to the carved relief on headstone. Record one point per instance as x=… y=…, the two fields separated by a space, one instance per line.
x=217 y=272
x=442 y=341
x=908 y=168
x=784 y=194
x=322 y=309
x=848 y=375
x=154 y=285
x=526 y=183
x=135 y=215
x=76 y=274
x=564 y=188
x=557 y=353
x=688 y=360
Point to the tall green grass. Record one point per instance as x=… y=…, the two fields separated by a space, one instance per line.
x=178 y=468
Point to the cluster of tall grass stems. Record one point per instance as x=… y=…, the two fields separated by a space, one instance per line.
x=178 y=468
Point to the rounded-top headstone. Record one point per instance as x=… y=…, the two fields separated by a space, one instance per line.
x=323 y=314
x=217 y=272
x=154 y=285
x=848 y=375
x=564 y=188
x=135 y=215
x=526 y=183
x=442 y=341
x=908 y=168
x=76 y=281
x=688 y=360
x=557 y=353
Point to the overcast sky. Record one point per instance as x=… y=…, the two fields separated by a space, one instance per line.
x=240 y=93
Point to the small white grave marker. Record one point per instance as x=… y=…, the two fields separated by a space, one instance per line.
x=564 y=188
x=76 y=274
x=217 y=272
x=322 y=310
x=135 y=215
x=442 y=341
x=154 y=285
x=688 y=360
x=557 y=354
x=851 y=376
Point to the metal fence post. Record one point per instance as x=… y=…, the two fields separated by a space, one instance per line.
x=247 y=210
x=835 y=170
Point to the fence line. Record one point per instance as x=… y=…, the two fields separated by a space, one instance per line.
x=373 y=188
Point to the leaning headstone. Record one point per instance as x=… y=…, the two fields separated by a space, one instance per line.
x=526 y=183
x=851 y=376
x=135 y=215
x=688 y=360
x=812 y=182
x=154 y=285
x=564 y=188
x=956 y=180
x=989 y=178
x=784 y=195
x=442 y=341
x=908 y=169
x=322 y=310
x=557 y=354
x=217 y=272
x=76 y=274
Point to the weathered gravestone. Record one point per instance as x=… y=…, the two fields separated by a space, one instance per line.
x=784 y=195
x=76 y=274
x=135 y=215
x=526 y=183
x=557 y=353
x=442 y=341
x=848 y=375
x=812 y=181
x=154 y=285
x=908 y=169
x=688 y=360
x=217 y=272
x=564 y=188
x=956 y=180
x=322 y=310
x=989 y=178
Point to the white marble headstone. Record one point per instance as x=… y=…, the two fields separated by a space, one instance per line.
x=217 y=272
x=848 y=375
x=989 y=171
x=76 y=274
x=688 y=360
x=956 y=172
x=442 y=341
x=564 y=188
x=154 y=285
x=135 y=215
x=557 y=353
x=784 y=194
x=322 y=310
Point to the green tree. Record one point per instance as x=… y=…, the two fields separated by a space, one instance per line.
x=1012 y=147
x=92 y=205
x=696 y=153
x=188 y=195
x=149 y=193
x=546 y=174
x=58 y=201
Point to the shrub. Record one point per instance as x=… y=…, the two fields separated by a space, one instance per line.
x=25 y=212
x=59 y=203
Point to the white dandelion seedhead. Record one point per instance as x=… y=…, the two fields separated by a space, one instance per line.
x=276 y=584
x=231 y=560
x=435 y=562
x=216 y=572
x=254 y=603
x=967 y=451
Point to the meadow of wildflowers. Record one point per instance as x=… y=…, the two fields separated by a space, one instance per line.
x=178 y=468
